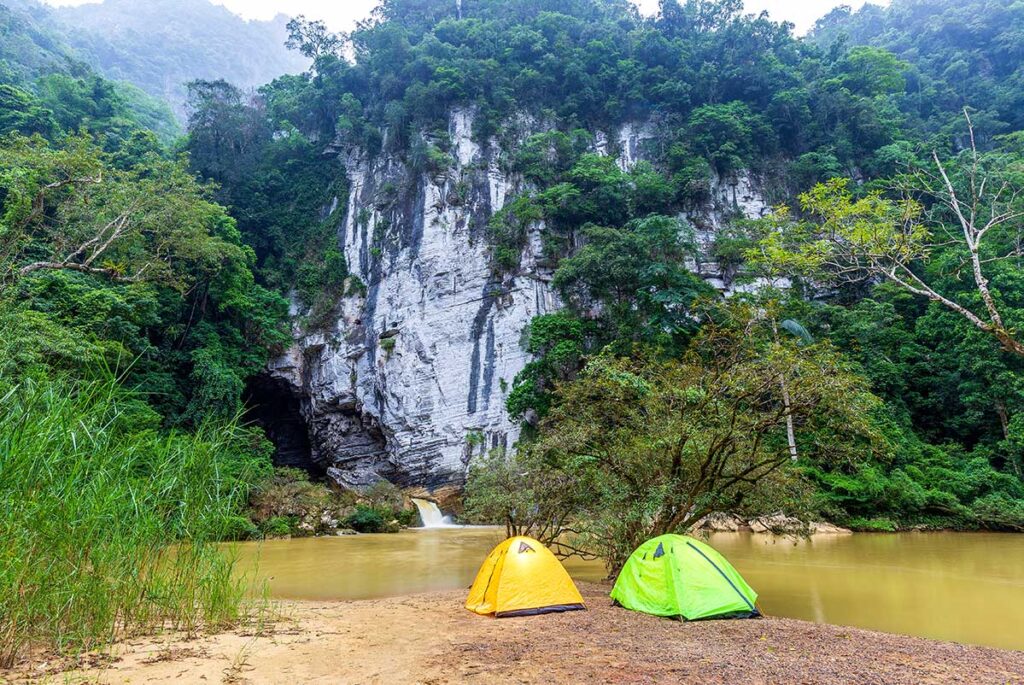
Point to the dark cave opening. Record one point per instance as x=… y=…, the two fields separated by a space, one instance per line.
x=274 y=405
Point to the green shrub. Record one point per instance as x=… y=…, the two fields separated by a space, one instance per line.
x=289 y=495
x=407 y=518
x=355 y=287
x=279 y=526
x=366 y=520
x=872 y=525
x=508 y=231
x=507 y=258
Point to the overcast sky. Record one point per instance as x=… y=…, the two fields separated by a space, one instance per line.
x=341 y=15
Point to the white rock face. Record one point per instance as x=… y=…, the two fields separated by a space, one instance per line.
x=411 y=383
x=632 y=137
x=735 y=196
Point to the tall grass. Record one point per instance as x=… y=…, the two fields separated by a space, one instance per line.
x=107 y=523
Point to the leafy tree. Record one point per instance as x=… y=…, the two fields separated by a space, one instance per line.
x=652 y=446
x=312 y=39
x=637 y=277
x=559 y=343
x=522 y=493
x=975 y=212
x=225 y=132
x=728 y=135
x=139 y=263
x=22 y=112
x=872 y=72
x=509 y=228
x=544 y=158
x=812 y=168
x=626 y=287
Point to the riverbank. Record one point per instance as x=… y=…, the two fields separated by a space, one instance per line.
x=430 y=638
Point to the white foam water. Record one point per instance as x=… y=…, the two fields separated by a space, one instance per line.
x=431 y=514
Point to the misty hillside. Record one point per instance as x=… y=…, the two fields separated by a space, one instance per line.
x=27 y=48
x=159 y=45
x=45 y=86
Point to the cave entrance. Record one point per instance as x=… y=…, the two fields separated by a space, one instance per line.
x=274 y=405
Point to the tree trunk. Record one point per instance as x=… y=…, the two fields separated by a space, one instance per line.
x=790 y=430
x=1004 y=418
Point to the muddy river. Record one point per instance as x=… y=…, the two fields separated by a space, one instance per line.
x=966 y=587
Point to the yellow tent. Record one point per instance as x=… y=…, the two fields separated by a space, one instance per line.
x=521 y=577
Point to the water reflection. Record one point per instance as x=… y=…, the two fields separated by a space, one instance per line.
x=953 y=586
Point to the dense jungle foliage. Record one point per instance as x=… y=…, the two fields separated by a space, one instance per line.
x=873 y=376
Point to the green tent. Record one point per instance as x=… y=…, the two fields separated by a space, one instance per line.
x=674 y=575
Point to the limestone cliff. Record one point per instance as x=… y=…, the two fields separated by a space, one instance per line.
x=410 y=382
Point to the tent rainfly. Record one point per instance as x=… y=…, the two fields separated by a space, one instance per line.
x=678 y=576
x=521 y=577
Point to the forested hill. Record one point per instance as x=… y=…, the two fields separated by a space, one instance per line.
x=161 y=45
x=28 y=47
x=46 y=87
x=968 y=54
x=90 y=162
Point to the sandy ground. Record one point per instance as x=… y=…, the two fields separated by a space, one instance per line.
x=431 y=639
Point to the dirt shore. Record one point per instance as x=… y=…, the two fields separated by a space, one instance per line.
x=431 y=639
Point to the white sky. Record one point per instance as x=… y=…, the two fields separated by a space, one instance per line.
x=341 y=15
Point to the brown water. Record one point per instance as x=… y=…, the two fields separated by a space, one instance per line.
x=966 y=587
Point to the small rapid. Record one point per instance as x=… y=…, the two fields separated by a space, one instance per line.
x=432 y=515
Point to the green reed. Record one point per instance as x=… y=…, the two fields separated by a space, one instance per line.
x=107 y=522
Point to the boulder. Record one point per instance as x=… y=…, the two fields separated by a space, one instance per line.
x=779 y=524
x=721 y=523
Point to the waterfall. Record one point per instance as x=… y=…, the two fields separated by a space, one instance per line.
x=431 y=514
